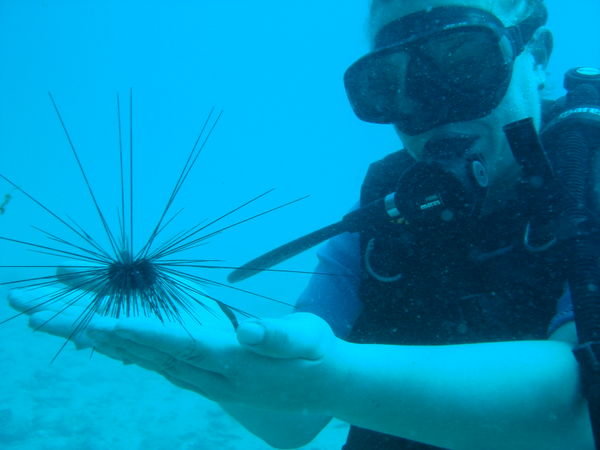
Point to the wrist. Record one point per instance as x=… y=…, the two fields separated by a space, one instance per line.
x=330 y=384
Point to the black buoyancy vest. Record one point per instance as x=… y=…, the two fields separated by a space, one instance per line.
x=448 y=287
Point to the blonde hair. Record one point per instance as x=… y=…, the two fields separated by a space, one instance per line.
x=509 y=12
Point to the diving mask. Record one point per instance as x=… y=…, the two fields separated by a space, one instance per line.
x=433 y=67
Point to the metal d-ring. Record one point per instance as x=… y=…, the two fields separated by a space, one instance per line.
x=538 y=248
x=369 y=267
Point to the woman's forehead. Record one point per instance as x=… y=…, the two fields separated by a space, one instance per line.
x=386 y=11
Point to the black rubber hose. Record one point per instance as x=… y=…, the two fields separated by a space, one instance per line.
x=582 y=271
x=355 y=221
x=573 y=167
x=284 y=252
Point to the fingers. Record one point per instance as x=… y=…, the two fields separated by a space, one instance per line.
x=144 y=354
x=299 y=335
x=63 y=325
x=209 y=384
x=179 y=370
x=32 y=300
x=20 y=300
x=84 y=277
x=53 y=312
x=202 y=346
x=29 y=300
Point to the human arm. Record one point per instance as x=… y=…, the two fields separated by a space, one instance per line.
x=280 y=428
x=507 y=395
x=403 y=381
x=334 y=297
x=283 y=429
x=569 y=429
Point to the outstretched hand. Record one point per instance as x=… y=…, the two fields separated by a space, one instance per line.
x=285 y=363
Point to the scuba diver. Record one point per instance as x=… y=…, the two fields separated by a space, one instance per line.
x=453 y=325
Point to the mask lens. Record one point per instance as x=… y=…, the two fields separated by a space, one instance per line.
x=372 y=84
x=463 y=61
x=461 y=74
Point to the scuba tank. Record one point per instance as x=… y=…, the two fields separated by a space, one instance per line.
x=566 y=200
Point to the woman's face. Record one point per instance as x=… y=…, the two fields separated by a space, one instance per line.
x=522 y=99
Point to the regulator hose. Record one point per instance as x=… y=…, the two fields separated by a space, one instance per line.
x=573 y=160
x=582 y=269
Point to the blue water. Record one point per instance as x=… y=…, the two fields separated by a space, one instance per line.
x=275 y=68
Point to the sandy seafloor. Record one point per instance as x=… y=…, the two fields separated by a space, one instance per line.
x=89 y=402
